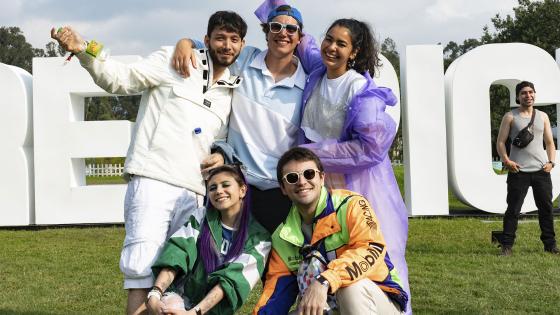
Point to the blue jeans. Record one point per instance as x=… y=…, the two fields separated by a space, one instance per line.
x=517 y=186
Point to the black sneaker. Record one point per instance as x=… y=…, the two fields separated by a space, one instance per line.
x=506 y=251
x=553 y=250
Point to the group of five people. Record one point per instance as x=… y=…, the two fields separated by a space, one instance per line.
x=306 y=123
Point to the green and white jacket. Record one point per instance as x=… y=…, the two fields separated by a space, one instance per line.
x=237 y=278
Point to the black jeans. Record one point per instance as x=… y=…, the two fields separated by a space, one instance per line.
x=517 y=186
x=269 y=207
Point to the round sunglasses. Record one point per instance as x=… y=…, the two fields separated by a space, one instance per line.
x=277 y=27
x=293 y=177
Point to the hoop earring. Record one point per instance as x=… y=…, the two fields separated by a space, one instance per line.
x=351 y=63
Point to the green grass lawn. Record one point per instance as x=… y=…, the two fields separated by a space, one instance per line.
x=453 y=270
x=105 y=180
x=452 y=265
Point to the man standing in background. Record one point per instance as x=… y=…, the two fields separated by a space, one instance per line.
x=528 y=165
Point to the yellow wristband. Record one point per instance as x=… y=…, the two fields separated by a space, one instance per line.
x=94 y=48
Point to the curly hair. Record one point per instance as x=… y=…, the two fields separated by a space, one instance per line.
x=363 y=43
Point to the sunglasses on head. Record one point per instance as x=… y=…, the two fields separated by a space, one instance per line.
x=293 y=177
x=276 y=27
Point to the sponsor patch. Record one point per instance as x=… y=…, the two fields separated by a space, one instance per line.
x=366 y=211
x=356 y=269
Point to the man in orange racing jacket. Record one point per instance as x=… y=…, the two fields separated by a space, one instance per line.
x=340 y=229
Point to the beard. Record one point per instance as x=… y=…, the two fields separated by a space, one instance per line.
x=221 y=60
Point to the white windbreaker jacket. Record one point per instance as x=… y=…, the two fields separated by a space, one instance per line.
x=178 y=118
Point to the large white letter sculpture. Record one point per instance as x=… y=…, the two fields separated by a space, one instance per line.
x=426 y=191
x=57 y=193
x=387 y=77
x=16 y=182
x=468 y=81
x=63 y=140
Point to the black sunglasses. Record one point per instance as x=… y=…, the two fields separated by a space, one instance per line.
x=276 y=27
x=293 y=177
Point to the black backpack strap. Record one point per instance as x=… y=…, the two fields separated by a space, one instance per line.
x=532 y=118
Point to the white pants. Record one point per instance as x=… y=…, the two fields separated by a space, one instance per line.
x=153 y=211
x=365 y=297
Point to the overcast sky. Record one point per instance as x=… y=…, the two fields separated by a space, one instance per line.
x=141 y=26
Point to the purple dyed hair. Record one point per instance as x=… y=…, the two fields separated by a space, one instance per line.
x=206 y=247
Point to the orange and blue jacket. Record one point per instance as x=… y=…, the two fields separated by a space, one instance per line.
x=352 y=242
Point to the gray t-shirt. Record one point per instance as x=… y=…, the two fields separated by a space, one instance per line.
x=307 y=230
x=533 y=157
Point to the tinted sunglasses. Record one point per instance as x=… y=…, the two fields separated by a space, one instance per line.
x=276 y=27
x=293 y=177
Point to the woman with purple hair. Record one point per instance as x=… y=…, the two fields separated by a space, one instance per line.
x=210 y=265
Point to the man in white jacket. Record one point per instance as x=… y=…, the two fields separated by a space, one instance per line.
x=178 y=119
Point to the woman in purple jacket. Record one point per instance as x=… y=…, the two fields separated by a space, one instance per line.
x=345 y=123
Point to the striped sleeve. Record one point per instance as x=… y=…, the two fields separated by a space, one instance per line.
x=180 y=252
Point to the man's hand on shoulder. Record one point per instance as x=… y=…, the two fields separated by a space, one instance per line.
x=183 y=57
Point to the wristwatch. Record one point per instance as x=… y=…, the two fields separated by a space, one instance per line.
x=552 y=163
